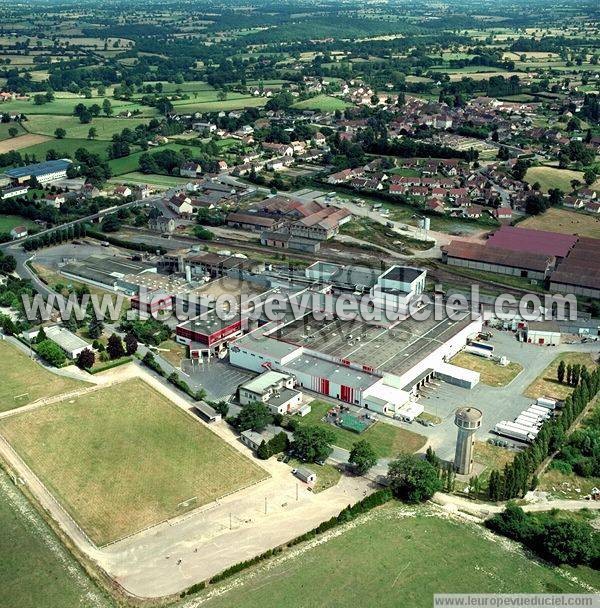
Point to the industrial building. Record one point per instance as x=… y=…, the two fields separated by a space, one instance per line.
x=48 y=171
x=545 y=333
x=377 y=366
x=567 y=263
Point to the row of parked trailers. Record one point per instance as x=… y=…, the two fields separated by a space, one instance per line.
x=527 y=424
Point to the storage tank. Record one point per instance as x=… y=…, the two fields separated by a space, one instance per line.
x=468 y=420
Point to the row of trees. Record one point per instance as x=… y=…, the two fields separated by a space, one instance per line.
x=519 y=476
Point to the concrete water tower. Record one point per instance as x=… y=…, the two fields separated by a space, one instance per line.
x=468 y=420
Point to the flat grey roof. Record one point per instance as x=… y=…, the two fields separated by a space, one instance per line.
x=405 y=274
x=283 y=397
x=340 y=374
x=49 y=166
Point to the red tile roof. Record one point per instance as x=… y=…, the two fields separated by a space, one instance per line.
x=532 y=241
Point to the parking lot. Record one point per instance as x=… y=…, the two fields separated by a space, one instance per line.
x=441 y=399
x=219 y=379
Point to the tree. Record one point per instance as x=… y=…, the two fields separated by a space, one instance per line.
x=560 y=372
x=567 y=542
x=312 y=443
x=51 y=353
x=362 y=456
x=86 y=359
x=60 y=133
x=412 y=479
x=95 y=328
x=41 y=336
x=13 y=131
x=263 y=452
x=107 y=107
x=589 y=177
x=131 y=343
x=255 y=416
x=92 y=133
x=8 y=264
x=114 y=348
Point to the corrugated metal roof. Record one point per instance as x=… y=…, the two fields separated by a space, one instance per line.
x=532 y=241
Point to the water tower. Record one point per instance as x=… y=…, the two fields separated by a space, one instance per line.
x=468 y=420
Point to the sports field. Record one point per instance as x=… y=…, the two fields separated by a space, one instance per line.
x=36 y=569
x=387 y=440
x=23 y=380
x=124 y=458
x=403 y=556
x=564 y=221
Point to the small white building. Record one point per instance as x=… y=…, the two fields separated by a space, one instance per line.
x=274 y=389
x=543 y=332
x=18 y=232
x=70 y=343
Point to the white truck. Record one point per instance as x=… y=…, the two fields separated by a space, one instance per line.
x=512 y=431
x=546 y=402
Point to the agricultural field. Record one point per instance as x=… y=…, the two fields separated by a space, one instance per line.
x=564 y=221
x=123 y=458
x=492 y=373
x=24 y=380
x=36 y=569
x=322 y=103
x=106 y=127
x=65 y=148
x=552 y=177
x=22 y=142
x=546 y=384
x=5 y=127
x=420 y=549
x=387 y=440
x=63 y=105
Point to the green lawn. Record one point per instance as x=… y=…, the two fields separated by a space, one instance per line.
x=8 y=222
x=207 y=102
x=123 y=458
x=395 y=558
x=322 y=103
x=36 y=569
x=387 y=440
x=27 y=380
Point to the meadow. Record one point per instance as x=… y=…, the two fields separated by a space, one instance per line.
x=36 y=569
x=404 y=556
x=322 y=103
x=564 y=221
x=552 y=177
x=123 y=458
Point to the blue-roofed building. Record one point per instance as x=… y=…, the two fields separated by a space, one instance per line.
x=48 y=171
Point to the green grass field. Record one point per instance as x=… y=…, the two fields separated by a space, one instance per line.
x=398 y=557
x=124 y=458
x=387 y=440
x=22 y=376
x=135 y=177
x=208 y=102
x=552 y=177
x=106 y=127
x=64 y=105
x=6 y=126
x=130 y=163
x=8 y=222
x=322 y=103
x=66 y=147
x=36 y=569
